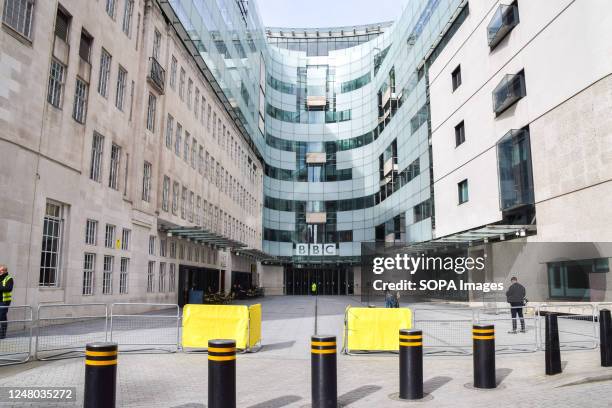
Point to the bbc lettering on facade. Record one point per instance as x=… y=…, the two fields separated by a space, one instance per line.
x=315 y=249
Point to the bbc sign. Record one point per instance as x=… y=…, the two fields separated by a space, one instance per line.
x=315 y=249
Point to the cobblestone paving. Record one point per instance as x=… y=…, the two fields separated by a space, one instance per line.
x=279 y=375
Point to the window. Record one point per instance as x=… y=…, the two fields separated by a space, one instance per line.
x=156 y=44
x=173 y=73
x=183 y=202
x=165 y=193
x=504 y=20
x=125 y=239
x=186 y=147
x=123 y=275
x=51 y=245
x=456 y=77
x=182 y=85
x=152 y=245
x=146 y=182
x=189 y=90
x=162 y=247
x=110 y=7
x=105 y=68
x=109 y=236
x=91 y=232
x=172 y=249
x=177 y=139
x=128 y=10
x=459 y=133
x=515 y=169
x=151 y=112
x=194 y=149
x=462 y=190
x=150 y=275
x=18 y=15
x=172 y=278
x=56 y=83
x=196 y=102
x=107 y=275
x=201 y=160
x=89 y=263
x=121 y=84
x=79 y=107
x=191 y=202
x=175 y=197
x=509 y=91
x=162 y=277
x=113 y=179
x=62 y=25
x=85 y=46
x=95 y=169
x=169 y=131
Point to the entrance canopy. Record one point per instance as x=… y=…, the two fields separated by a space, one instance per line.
x=255 y=253
x=204 y=236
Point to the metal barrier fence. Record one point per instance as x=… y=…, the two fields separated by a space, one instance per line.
x=509 y=334
x=577 y=325
x=16 y=346
x=136 y=329
x=445 y=330
x=64 y=329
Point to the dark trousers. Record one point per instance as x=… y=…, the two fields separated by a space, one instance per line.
x=3 y=318
x=517 y=311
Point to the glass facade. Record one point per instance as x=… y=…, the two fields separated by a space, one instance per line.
x=339 y=116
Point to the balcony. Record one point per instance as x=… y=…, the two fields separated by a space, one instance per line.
x=316 y=102
x=508 y=92
x=504 y=20
x=157 y=75
x=316 y=217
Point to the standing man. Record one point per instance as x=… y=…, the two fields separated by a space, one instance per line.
x=6 y=289
x=313 y=288
x=515 y=295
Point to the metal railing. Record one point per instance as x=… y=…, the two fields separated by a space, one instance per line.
x=157 y=75
x=138 y=330
x=63 y=330
x=576 y=322
x=445 y=330
x=513 y=334
x=16 y=331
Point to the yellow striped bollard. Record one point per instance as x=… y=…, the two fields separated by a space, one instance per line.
x=323 y=371
x=483 y=336
x=222 y=374
x=411 y=364
x=100 y=375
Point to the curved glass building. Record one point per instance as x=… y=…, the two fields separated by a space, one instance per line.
x=340 y=119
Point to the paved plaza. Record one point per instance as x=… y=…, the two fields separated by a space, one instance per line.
x=279 y=374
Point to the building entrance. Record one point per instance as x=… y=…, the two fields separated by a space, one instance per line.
x=330 y=279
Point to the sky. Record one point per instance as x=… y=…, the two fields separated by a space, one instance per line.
x=327 y=13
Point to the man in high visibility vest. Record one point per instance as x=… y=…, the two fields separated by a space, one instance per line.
x=6 y=289
x=313 y=288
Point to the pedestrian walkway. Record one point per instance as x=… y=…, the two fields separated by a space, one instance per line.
x=279 y=375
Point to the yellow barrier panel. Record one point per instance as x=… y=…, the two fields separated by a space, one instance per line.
x=207 y=322
x=375 y=329
x=254 y=325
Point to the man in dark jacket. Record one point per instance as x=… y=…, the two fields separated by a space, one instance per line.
x=515 y=295
x=6 y=291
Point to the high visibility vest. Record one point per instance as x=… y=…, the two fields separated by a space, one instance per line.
x=314 y=287
x=7 y=296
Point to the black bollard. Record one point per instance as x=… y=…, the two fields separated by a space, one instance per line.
x=323 y=371
x=552 y=351
x=605 y=337
x=100 y=375
x=483 y=336
x=221 y=374
x=411 y=364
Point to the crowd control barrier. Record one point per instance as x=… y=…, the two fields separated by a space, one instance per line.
x=525 y=341
x=135 y=329
x=202 y=323
x=16 y=347
x=65 y=329
x=374 y=329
